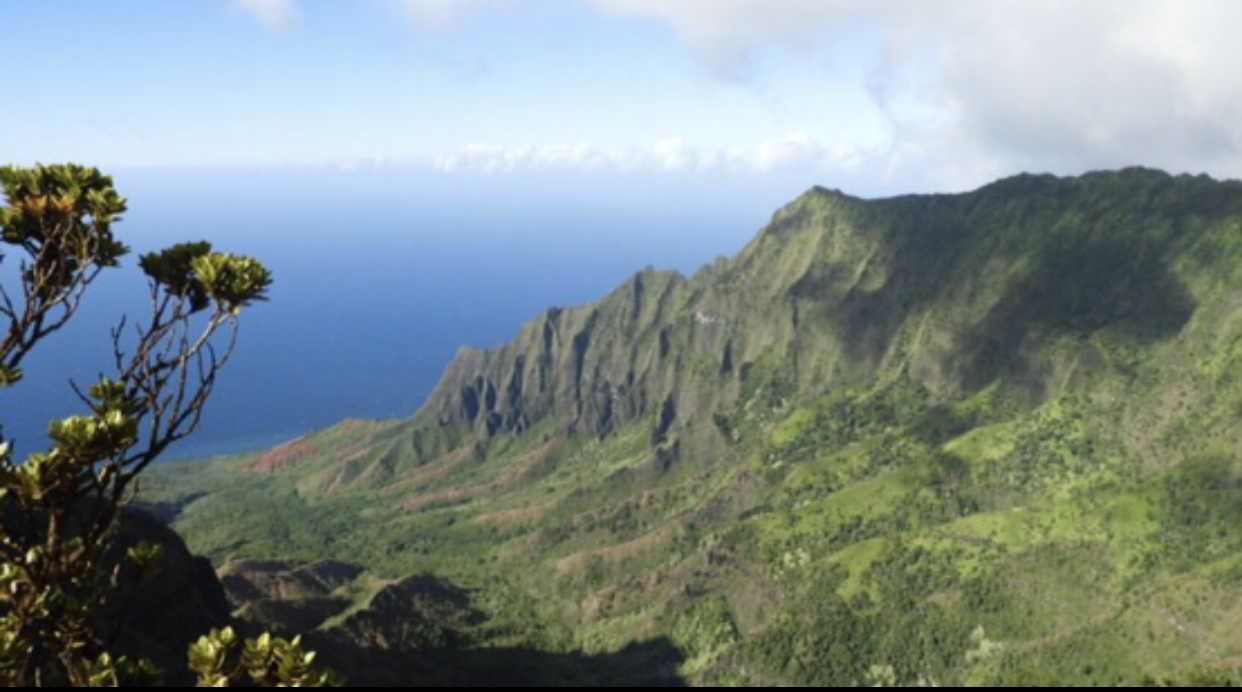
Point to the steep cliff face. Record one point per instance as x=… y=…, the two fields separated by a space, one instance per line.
x=660 y=347
x=592 y=368
x=959 y=291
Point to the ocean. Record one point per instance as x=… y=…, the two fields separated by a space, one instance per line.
x=379 y=278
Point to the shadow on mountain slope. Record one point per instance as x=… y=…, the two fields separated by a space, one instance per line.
x=652 y=663
x=1077 y=288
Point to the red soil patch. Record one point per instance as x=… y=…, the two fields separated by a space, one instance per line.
x=282 y=455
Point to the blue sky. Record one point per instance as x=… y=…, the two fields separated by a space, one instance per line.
x=511 y=154
x=880 y=96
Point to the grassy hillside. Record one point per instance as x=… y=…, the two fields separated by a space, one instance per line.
x=977 y=438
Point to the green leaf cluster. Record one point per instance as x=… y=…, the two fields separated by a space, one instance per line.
x=263 y=661
x=68 y=209
x=193 y=272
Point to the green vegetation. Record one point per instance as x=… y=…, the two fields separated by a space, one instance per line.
x=66 y=576
x=987 y=438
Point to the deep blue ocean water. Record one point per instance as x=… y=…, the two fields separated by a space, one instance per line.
x=377 y=282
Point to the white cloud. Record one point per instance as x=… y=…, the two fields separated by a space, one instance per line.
x=490 y=160
x=976 y=89
x=355 y=165
x=971 y=89
x=441 y=14
x=722 y=30
x=1095 y=85
x=274 y=14
x=798 y=150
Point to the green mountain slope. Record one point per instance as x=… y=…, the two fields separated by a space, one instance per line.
x=985 y=437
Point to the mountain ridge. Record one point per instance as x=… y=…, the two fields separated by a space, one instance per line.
x=931 y=436
x=498 y=398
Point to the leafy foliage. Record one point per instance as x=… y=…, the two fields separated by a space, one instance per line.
x=265 y=661
x=59 y=509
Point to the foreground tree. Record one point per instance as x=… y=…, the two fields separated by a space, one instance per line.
x=60 y=509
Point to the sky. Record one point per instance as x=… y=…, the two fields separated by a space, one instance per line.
x=447 y=168
x=878 y=96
